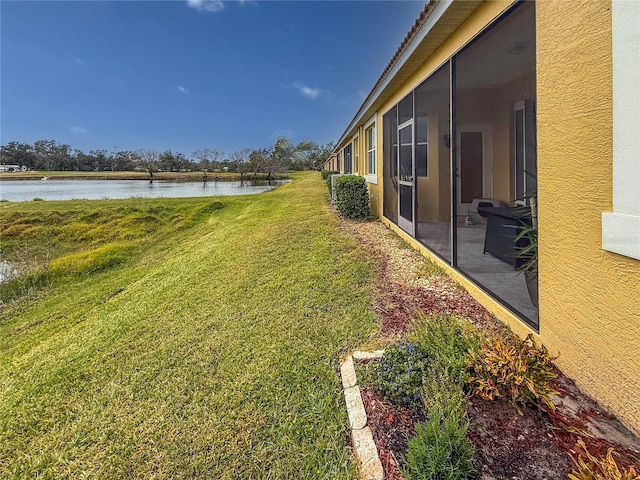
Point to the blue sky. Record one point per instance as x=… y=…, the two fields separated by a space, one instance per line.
x=185 y=75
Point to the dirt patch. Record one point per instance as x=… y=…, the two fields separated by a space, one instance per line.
x=536 y=445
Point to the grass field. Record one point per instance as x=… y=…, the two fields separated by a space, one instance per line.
x=180 y=338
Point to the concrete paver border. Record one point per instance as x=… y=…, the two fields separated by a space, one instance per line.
x=365 y=448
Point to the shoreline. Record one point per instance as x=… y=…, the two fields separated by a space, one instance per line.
x=172 y=176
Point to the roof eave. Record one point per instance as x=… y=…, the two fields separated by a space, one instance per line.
x=431 y=15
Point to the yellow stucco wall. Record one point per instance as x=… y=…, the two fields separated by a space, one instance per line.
x=589 y=298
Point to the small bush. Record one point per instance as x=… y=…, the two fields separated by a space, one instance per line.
x=328 y=178
x=441 y=392
x=327 y=173
x=399 y=374
x=519 y=369
x=353 y=196
x=440 y=450
x=445 y=341
x=592 y=468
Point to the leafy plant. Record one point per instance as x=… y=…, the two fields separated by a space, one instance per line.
x=398 y=376
x=440 y=450
x=353 y=196
x=519 y=369
x=326 y=175
x=527 y=236
x=593 y=468
x=445 y=341
x=441 y=392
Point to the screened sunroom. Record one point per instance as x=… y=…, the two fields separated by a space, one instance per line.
x=459 y=161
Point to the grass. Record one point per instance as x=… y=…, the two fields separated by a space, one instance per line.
x=207 y=350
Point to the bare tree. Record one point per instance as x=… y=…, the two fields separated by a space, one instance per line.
x=240 y=161
x=208 y=158
x=149 y=160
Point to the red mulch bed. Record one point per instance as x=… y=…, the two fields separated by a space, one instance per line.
x=535 y=445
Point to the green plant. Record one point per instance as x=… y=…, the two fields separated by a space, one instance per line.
x=445 y=341
x=431 y=269
x=526 y=241
x=593 y=468
x=440 y=450
x=441 y=392
x=353 y=196
x=398 y=376
x=519 y=369
x=326 y=175
x=194 y=324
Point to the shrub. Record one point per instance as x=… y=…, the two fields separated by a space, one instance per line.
x=399 y=373
x=603 y=469
x=445 y=341
x=441 y=392
x=519 y=369
x=440 y=450
x=437 y=352
x=327 y=178
x=353 y=196
x=327 y=173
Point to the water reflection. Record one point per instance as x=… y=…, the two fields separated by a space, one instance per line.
x=18 y=191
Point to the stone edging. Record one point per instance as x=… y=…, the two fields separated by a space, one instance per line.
x=365 y=448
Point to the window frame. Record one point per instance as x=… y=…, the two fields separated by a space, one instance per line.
x=371 y=132
x=355 y=153
x=621 y=226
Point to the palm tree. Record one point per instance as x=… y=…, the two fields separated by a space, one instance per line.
x=290 y=154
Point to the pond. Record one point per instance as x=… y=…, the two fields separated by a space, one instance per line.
x=24 y=190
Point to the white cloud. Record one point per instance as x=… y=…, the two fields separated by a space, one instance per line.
x=206 y=5
x=312 y=93
x=182 y=89
x=79 y=130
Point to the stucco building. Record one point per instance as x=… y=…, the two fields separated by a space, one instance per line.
x=495 y=114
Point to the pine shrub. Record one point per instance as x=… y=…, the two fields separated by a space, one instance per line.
x=446 y=341
x=440 y=450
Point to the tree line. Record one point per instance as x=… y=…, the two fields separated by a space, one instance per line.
x=281 y=157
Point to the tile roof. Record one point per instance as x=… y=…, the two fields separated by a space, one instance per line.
x=424 y=14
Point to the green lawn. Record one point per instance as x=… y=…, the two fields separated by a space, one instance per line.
x=207 y=349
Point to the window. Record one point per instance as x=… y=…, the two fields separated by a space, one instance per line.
x=423 y=101
x=338 y=164
x=621 y=228
x=347 y=159
x=370 y=140
x=356 y=154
